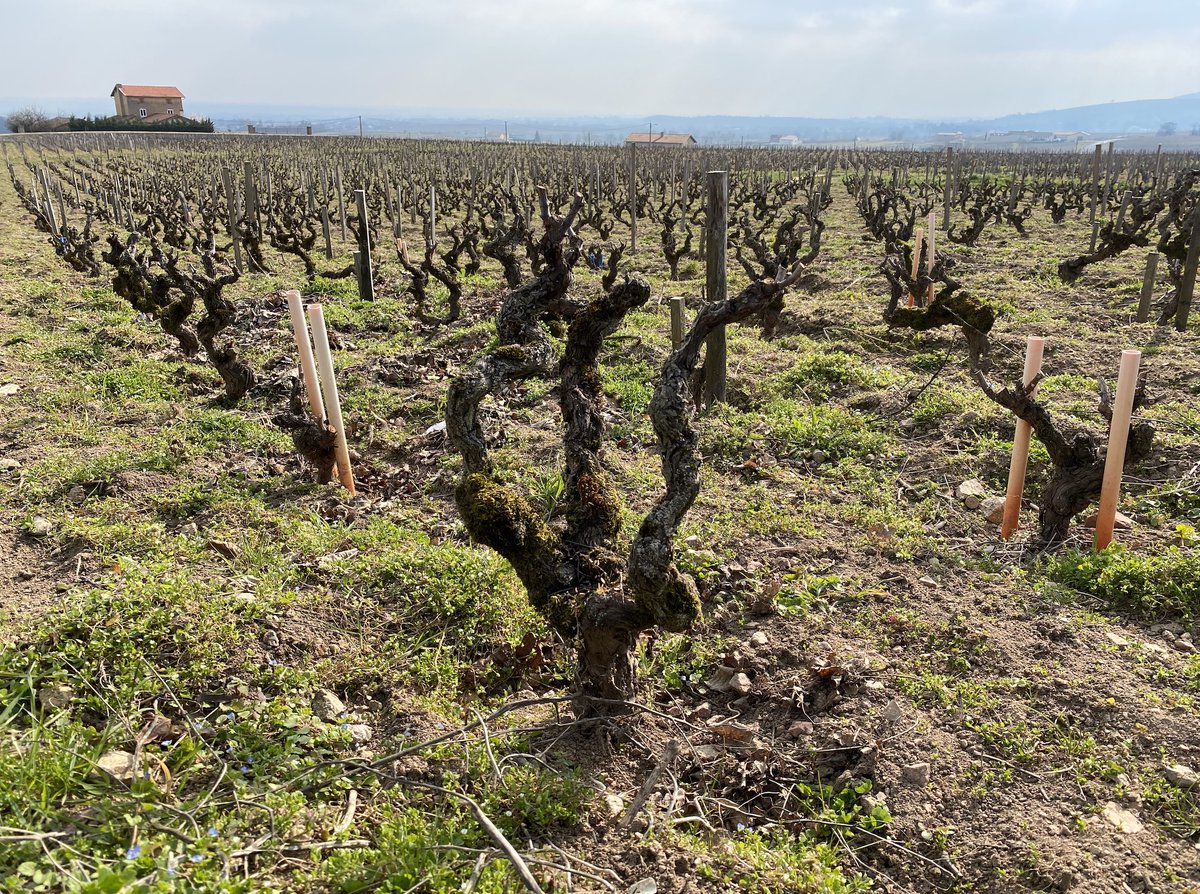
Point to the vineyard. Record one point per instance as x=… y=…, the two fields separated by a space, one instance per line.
x=636 y=527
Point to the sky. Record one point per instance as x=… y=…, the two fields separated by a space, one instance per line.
x=821 y=58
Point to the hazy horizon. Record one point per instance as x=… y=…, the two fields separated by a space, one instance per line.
x=616 y=58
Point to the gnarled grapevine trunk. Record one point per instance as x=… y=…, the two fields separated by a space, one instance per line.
x=572 y=570
x=1078 y=466
x=149 y=291
x=314 y=440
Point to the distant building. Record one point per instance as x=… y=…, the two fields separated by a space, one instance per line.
x=1037 y=136
x=787 y=139
x=1023 y=136
x=661 y=139
x=148 y=104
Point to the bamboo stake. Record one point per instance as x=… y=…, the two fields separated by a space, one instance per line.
x=1118 y=436
x=918 y=244
x=316 y=315
x=1034 y=347
x=308 y=366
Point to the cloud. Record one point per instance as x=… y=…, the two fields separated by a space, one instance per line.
x=967 y=7
x=935 y=58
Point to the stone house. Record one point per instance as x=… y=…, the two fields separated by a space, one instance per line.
x=149 y=104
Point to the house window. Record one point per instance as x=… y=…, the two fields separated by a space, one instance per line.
x=170 y=111
x=142 y=112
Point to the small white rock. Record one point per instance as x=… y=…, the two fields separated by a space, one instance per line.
x=917 y=774
x=360 y=733
x=41 y=526
x=740 y=683
x=893 y=713
x=759 y=639
x=1181 y=777
x=327 y=706
x=993 y=510
x=971 y=492
x=1124 y=820
x=615 y=805
x=120 y=765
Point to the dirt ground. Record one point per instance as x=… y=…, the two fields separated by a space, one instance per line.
x=1016 y=733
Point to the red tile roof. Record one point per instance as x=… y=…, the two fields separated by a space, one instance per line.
x=138 y=90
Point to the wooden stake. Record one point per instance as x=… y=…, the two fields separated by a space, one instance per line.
x=1143 y=312
x=1125 y=200
x=1034 y=348
x=251 y=193
x=949 y=186
x=325 y=231
x=231 y=202
x=931 y=234
x=676 y=323
x=717 y=283
x=1118 y=437
x=329 y=391
x=633 y=198
x=364 y=267
x=341 y=203
x=432 y=214
x=1187 y=285
x=308 y=366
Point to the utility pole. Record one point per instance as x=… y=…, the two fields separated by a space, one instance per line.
x=360 y=134
x=506 y=131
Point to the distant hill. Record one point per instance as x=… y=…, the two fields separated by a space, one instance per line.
x=1137 y=116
